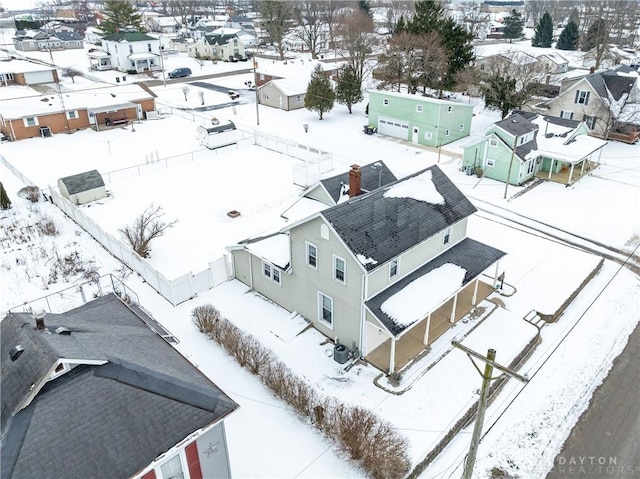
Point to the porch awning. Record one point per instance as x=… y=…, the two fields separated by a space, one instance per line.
x=98 y=55
x=142 y=56
x=110 y=108
x=469 y=259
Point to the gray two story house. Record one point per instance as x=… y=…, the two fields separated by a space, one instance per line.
x=384 y=272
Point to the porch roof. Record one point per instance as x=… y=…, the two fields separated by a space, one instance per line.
x=111 y=108
x=142 y=56
x=469 y=255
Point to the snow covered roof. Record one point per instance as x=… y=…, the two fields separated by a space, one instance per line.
x=274 y=249
x=36 y=104
x=298 y=71
x=22 y=66
x=405 y=302
x=555 y=58
x=380 y=225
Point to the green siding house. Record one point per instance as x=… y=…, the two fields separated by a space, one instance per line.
x=352 y=269
x=528 y=145
x=421 y=120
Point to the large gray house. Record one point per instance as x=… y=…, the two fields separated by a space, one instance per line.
x=383 y=272
x=94 y=392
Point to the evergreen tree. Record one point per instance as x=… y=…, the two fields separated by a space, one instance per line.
x=568 y=39
x=401 y=26
x=364 y=6
x=348 y=88
x=429 y=17
x=543 y=36
x=513 y=25
x=120 y=15
x=596 y=35
x=500 y=94
x=5 y=202
x=320 y=96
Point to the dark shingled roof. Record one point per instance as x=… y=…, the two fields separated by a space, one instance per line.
x=374 y=175
x=562 y=121
x=68 y=36
x=473 y=256
x=83 y=181
x=128 y=37
x=381 y=228
x=219 y=39
x=517 y=125
x=98 y=421
x=610 y=81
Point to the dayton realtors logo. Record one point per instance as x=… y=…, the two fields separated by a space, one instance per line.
x=594 y=466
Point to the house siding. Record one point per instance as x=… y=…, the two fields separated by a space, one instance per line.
x=434 y=119
x=565 y=102
x=213 y=453
x=415 y=257
x=303 y=284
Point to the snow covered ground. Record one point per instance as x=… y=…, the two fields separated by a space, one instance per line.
x=603 y=206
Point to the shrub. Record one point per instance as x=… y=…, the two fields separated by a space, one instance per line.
x=205 y=318
x=31 y=193
x=47 y=227
x=147 y=226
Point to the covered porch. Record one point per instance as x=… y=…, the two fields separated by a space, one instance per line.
x=141 y=62
x=416 y=339
x=566 y=173
x=402 y=320
x=99 y=61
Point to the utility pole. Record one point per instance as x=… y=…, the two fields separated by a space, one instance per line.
x=255 y=85
x=490 y=364
x=513 y=154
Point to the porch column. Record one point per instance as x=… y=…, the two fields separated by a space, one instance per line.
x=425 y=341
x=392 y=356
x=570 y=173
x=551 y=168
x=584 y=161
x=453 y=310
x=474 y=297
x=495 y=275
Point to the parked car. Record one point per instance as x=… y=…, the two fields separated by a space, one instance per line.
x=233 y=94
x=180 y=73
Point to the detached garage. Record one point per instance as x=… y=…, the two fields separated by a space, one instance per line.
x=83 y=188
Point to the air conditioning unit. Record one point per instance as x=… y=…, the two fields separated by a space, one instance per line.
x=340 y=353
x=468 y=170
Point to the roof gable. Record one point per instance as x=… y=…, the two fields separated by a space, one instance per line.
x=380 y=225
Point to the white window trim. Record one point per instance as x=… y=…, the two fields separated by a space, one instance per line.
x=183 y=463
x=493 y=142
x=306 y=252
x=419 y=108
x=491 y=162
x=447 y=132
x=35 y=119
x=385 y=101
x=397 y=263
x=335 y=269
x=273 y=270
x=461 y=126
x=321 y=320
x=449 y=108
x=75 y=114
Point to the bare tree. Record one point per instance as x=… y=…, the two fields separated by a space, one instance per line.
x=417 y=61
x=71 y=72
x=147 y=226
x=182 y=11
x=357 y=40
x=333 y=18
x=275 y=21
x=476 y=18
x=396 y=9
x=310 y=24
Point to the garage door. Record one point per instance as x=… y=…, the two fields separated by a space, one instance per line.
x=397 y=128
x=33 y=78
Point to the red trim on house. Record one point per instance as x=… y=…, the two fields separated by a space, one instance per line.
x=150 y=475
x=193 y=461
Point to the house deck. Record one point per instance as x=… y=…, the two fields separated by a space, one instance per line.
x=411 y=343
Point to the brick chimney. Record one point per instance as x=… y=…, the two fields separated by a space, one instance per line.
x=38 y=315
x=355 y=179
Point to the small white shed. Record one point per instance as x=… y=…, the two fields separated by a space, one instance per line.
x=83 y=188
x=217 y=135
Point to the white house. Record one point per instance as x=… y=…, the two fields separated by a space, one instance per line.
x=132 y=51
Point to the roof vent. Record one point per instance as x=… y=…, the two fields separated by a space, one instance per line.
x=15 y=352
x=63 y=331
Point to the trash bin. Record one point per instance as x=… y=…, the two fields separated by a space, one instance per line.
x=117 y=79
